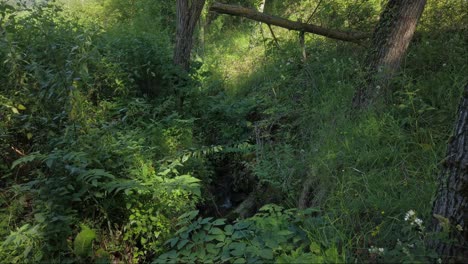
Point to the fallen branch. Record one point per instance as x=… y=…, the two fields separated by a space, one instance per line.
x=288 y=24
x=18 y=151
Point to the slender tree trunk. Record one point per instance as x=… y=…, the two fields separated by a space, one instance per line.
x=188 y=13
x=390 y=41
x=261 y=8
x=450 y=208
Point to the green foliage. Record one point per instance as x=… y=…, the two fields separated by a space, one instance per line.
x=83 y=243
x=274 y=234
x=99 y=156
x=23 y=245
x=358 y=165
x=98 y=127
x=74 y=177
x=102 y=257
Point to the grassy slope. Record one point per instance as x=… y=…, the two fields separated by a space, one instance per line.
x=367 y=170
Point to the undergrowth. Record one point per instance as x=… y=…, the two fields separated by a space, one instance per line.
x=109 y=153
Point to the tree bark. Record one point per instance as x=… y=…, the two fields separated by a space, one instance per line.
x=450 y=208
x=188 y=13
x=304 y=198
x=288 y=24
x=390 y=41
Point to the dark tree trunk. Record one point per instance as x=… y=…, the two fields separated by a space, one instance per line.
x=390 y=41
x=450 y=208
x=188 y=13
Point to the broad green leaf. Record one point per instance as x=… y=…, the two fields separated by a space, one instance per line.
x=237 y=249
x=332 y=254
x=216 y=231
x=182 y=243
x=27 y=251
x=201 y=253
x=211 y=248
x=240 y=261
x=220 y=237
x=185 y=158
x=228 y=229
x=189 y=215
x=83 y=244
x=210 y=238
x=206 y=220
x=315 y=248
x=284 y=233
x=219 y=222
x=165 y=172
x=173 y=241
x=266 y=253
x=238 y=235
x=28 y=158
x=241 y=225
x=198 y=236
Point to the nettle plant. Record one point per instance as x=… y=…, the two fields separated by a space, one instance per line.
x=273 y=234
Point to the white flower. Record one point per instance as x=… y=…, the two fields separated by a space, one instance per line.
x=418 y=221
x=374 y=250
x=409 y=215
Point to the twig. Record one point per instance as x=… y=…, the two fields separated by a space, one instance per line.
x=313 y=13
x=274 y=37
x=19 y=152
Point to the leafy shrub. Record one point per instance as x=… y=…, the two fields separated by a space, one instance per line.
x=23 y=245
x=272 y=234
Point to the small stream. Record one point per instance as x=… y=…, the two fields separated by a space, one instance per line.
x=227 y=192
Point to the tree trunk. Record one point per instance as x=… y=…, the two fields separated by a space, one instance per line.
x=390 y=41
x=288 y=24
x=188 y=13
x=450 y=208
x=304 y=198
